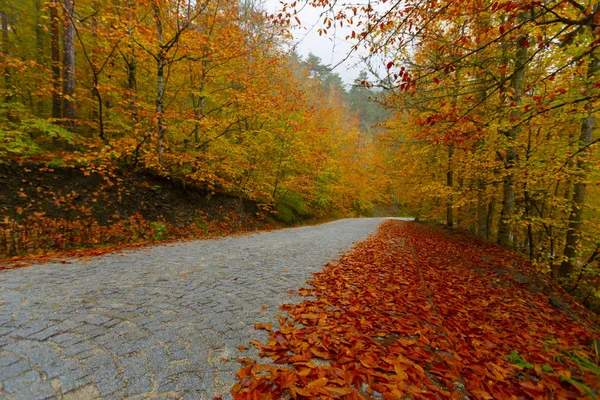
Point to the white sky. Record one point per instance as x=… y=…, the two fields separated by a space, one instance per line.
x=331 y=48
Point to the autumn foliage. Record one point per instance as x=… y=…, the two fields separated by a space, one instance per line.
x=493 y=126
x=205 y=94
x=414 y=312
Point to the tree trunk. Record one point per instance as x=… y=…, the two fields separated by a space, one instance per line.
x=508 y=186
x=490 y=217
x=131 y=65
x=98 y=95
x=159 y=109
x=39 y=44
x=132 y=86
x=69 y=64
x=39 y=33
x=160 y=89
x=55 y=55
x=482 y=230
x=450 y=184
x=277 y=175
x=200 y=107
x=5 y=53
x=579 y=189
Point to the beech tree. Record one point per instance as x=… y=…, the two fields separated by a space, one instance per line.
x=68 y=64
x=53 y=9
x=493 y=103
x=202 y=93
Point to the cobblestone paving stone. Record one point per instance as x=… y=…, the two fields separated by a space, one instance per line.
x=156 y=322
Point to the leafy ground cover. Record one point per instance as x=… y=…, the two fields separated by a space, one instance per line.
x=416 y=312
x=47 y=211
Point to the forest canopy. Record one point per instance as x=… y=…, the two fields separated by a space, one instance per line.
x=492 y=125
x=207 y=93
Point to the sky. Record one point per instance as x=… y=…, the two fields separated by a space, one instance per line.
x=331 y=48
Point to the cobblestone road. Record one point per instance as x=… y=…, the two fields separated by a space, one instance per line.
x=154 y=322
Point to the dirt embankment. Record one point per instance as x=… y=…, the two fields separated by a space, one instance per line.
x=45 y=209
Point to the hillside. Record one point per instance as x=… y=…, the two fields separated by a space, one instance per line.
x=46 y=209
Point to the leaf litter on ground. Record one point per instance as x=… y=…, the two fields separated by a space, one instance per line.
x=416 y=312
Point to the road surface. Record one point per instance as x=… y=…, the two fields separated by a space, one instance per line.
x=160 y=322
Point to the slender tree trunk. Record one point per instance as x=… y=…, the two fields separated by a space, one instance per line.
x=505 y=235
x=132 y=86
x=160 y=89
x=131 y=64
x=450 y=184
x=39 y=44
x=159 y=109
x=579 y=189
x=69 y=64
x=490 y=217
x=569 y=182
x=481 y=216
x=98 y=95
x=450 y=170
x=39 y=33
x=55 y=56
x=159 y=112
x=132 y=83
x=200 y=107
x=5 y=54
x=277 y=175
x=529 y=202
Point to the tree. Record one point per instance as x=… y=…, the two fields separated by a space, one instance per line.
x=53 y=9
x=366 y=102
x=511 y=157
x=579 y=190
x=5 y=54
x=68 y=64
x=499 y=87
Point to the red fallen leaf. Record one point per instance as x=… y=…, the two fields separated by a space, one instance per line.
x=266 y=327
x=242 y=348
x=258 y=344
x=397 y=393
x=281 y=339
x=390 y=65
x=377 y=314
x=318 y=383
x=369 y=363
x=281 y=360
x=400 y=372
x=499 y=372
x=320 y=354
x=482 y=394
x=338 y=391
x=303 y=392
x=299 y=358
